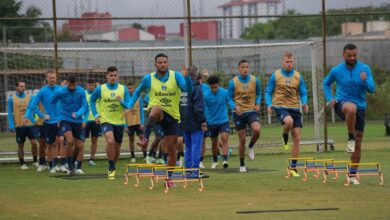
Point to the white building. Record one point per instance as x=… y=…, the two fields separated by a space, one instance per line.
x=233 y=28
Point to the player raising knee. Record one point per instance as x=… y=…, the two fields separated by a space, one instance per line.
x=285 y=92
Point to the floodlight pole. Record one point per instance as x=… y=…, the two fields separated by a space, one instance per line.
x=55 y=36
x=187 y=33
x=324 y=70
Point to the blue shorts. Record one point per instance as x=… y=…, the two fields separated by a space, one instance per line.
x=39 y=131
x=76 y=128
x=134 y=129
x=116 y=129
x=360 y=115
x=216 y=129
x=247 y=118
x=180 y=132
x=158 y=130
x=206 y=134
x=295 y=115
x=23 y=132
x=168 y=124
x=51 y=131
x=92 y=128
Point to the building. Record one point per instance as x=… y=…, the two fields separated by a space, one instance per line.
x=352 y=28
x=78 y=26
x=118 y=33
x=372 y=26
x=233 y=28
x=202 y=30
x=159 y=32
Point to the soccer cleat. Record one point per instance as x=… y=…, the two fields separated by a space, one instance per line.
x=142 y=142
x=160 y=161
x=133 y=160
x=201 y=165
x=243 y=169
x=70 y=172
x=35 y=164
x=111 y=175
x=79 y=172
x=150 y=160
x=353 y=180
x=351 y=146
x=230 y=152
x=24 y=167
x=63 y=169
x=225 y=164
x=251 y=154
x=91 y=163
x=53 y=170
x=66 y=165
x=214 y=165
x=57 y=168
x=41 y=168
x=286 y=147
x=294 y=173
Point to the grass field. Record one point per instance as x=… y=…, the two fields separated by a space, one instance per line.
x=32 y=195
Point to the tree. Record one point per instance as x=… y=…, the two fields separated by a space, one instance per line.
x=305 y=27
x=22 y=30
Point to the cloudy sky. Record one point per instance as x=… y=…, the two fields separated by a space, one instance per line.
x=135 y=8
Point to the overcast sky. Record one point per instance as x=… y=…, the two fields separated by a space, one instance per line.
x=135 y=8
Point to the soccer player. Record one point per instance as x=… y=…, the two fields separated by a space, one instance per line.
x=193 y=120
x=135 y=121
x=216 y=101
x=113 y=97
x=353 y=80
x=73 y=111
x=50 y=124
x=204 y=75
x=17 y=105
x=244 y=89
x=165 y=87
x=285 y=92
x=91 y=128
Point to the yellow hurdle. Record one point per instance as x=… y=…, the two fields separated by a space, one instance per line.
x=315 y=165
x=160 y=173
x=139 y=171
x=183 y=175
x=335 y=167
x=364 y=169
x=300 y=165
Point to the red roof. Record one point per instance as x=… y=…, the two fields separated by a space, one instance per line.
x=245 y=2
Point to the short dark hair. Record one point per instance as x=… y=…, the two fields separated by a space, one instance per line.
x=72 y=79
x=160 y=55
x=130 y=83
x=90 y=81
x=17 y=82
x=112 y=69
x=193 y=72
x=243 y=61
x=349 y=47
x=213 y=79
x=49 y=72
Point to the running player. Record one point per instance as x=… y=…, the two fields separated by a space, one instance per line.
x=113 y=97
x=91 y=127
x=245 y=91
x=135 y=121
x=73 y=111
x=17 y=105
x=353 y=80
x=50 y=124
x=164 y=86
x=216 y=102
x=285 y=92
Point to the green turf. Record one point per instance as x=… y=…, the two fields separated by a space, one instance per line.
x=32 y=195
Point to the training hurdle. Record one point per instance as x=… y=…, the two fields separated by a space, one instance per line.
x=160 y=173
x=300 y=165
x=364 y=169
x=183 y=175
x=139 y=171
x=315 y=165
x=335 y=167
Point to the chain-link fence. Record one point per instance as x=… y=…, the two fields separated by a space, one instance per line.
x=92 y=35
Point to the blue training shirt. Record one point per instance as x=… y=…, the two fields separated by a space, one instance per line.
x=216 y=106
x=44 y=96
x=245 y=80
x=349 y=86
x=271 y=86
